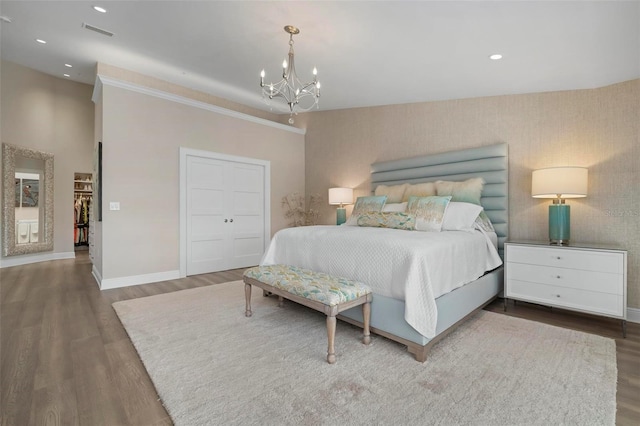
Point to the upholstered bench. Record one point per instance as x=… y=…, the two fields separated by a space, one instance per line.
x=316 y=290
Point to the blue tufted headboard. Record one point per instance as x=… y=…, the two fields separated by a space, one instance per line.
x=489 y=162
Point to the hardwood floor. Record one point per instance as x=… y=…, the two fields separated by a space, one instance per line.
x=66 y=359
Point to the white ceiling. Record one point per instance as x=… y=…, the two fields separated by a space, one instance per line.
x=367 y=53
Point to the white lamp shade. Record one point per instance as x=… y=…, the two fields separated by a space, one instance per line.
x=563 y=182
x=340 y=196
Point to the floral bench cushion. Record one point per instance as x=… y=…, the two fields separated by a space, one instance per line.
x=309 y=284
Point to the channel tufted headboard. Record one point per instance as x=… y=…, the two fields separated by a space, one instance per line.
x=489 y=162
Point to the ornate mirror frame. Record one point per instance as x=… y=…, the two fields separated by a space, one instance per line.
x=9 y=155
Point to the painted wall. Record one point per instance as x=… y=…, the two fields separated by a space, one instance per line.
x=141 y=136
x=598 y=129
x=95 y=240
x=55 y=115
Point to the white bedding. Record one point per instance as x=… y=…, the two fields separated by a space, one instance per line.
x=413 y=266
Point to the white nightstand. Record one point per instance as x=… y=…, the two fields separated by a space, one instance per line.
x=579 y=277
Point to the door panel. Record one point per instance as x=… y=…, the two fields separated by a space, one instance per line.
x=206 y=199
x=247 y=250
x=248 y=214
x=248 y=203
x=225 y=214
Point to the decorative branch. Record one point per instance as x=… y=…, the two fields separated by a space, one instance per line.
x=294 y=209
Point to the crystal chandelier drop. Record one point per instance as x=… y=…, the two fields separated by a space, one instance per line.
x=298 y=95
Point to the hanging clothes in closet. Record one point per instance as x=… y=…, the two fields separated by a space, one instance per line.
x=81 y=220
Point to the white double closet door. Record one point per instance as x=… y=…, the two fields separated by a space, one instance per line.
x=225 y=214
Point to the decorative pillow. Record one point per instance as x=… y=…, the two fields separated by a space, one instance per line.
x=395 y=207
x=429 y=212
x=394 y=193
x=468 y=191
x=366 y=204
x=483 y=222
x=460 y=216
x=426 y=189
x=395 y=220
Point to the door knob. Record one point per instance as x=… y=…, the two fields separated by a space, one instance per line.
x=225 y=221
x=231 y=220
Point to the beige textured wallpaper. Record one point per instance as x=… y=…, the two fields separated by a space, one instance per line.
x=597 y=128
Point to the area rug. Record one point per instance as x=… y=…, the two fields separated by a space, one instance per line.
x=212 y=365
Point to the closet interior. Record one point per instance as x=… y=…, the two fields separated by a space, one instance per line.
x=83 y=192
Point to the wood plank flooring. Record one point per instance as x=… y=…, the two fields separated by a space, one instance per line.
x=65 y=359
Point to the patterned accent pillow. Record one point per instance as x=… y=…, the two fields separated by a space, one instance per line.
x=395 y=220
x=394 y=193
x=429 y=212
x=395 y=207
x=371 y=203
x=468 y=191
x=426 y=189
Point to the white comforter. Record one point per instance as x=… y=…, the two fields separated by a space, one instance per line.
x=413 y=266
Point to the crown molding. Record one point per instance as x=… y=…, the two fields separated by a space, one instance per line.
x=102 y=80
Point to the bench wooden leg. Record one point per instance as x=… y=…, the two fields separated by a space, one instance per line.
x=247 y=296
x=366 y=315
x=331 y=335
x=281 y=301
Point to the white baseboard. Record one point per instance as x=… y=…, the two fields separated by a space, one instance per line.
x=633 y=315
x=109 y=283
x=26 y=259
x=96 y=274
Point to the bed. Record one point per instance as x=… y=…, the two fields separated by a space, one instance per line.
x=397 y=310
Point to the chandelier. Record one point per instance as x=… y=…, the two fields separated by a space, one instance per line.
x=298 y=95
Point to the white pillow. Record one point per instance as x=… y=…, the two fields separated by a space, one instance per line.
x=395 y=207
x=460 y=216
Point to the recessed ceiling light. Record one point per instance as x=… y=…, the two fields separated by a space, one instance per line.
x=100 y=9
x=495 y=56
x=39 y=40
x=68 y=65
x=66 y=75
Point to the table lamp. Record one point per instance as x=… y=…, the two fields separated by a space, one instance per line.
x=341 y=196
x=559 y=183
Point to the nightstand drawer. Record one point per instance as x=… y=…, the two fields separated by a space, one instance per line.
x=580 y=300
x=564 y=277
x=567 y=258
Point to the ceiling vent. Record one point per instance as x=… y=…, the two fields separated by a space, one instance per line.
x=98 y=30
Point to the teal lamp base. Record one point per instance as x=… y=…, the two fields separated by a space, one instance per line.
x=559 y=217
x=342 y=215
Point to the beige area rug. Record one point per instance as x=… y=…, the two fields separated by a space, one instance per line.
x=212 y=365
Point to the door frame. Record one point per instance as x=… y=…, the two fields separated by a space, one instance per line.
x=189 y=152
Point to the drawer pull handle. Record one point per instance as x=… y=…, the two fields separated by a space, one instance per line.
x=558 y=276
x=558 y=257
x=557 y=295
